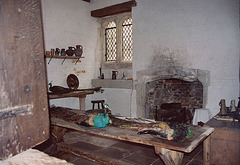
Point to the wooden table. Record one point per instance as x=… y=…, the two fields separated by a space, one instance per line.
x=80 y=94
x=171 y=152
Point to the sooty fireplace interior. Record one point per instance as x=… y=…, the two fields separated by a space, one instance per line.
x=179 y=89
x=173 y=100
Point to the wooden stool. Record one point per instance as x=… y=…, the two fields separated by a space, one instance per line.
x=98 y=102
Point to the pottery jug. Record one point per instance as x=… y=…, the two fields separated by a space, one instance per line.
x=114 y=75
x=70 y=51
x=52 y=52
x=63 y=52
x=57 y=51
x=79 y=50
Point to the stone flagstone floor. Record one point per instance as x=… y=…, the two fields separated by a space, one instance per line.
x=126 y=152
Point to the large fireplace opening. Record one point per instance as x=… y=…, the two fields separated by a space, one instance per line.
x=170 y=84
x=173 y=99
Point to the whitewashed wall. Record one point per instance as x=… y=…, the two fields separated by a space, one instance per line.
x=119 y=100
x=69 y=23
x=197 y=34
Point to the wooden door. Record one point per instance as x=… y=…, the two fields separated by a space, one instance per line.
x=24 y=119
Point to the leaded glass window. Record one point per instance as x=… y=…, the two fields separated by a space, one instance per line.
x=111 y=41
x=117 y=41
x=127 y=40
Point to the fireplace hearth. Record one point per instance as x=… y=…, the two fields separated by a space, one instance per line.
x=173 y=112
x=173 y=99
x=164 y=85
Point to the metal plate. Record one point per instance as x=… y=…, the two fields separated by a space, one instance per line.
x=72 y=81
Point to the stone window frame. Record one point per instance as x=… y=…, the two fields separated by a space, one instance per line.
x=118 y=64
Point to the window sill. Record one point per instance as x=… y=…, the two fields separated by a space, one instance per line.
x=109 y=83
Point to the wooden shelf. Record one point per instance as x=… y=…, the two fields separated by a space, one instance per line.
x=63 y=57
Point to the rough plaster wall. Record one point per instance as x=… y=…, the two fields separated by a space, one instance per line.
x=69 y=23
x=193 y=34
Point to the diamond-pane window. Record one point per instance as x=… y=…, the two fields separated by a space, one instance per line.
x=127 y=40
x=111 y=41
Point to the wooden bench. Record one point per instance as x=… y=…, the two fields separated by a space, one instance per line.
x=171 y=152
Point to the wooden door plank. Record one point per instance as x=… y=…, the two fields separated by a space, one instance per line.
x=22 y=77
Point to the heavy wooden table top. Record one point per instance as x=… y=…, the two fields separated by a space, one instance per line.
x=71 y=94
x=199 y=134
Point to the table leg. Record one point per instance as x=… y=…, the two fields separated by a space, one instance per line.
x=58 y=133
x=82 y=103
x=169 y=157
x=206 y=151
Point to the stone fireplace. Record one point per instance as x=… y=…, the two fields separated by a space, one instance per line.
x=166 y=96
x=185 y=86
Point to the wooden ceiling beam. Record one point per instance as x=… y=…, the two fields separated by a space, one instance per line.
x=114 y=9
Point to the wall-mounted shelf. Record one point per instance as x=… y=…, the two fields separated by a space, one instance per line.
x=63 y=57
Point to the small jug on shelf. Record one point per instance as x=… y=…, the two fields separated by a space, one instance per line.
x=57 y=51
x=63 y=52
x=114 y=75
x=52 y=52
x=70 y=51
x=79 y=50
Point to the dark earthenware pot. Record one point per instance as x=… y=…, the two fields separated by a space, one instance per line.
x=70 y=51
